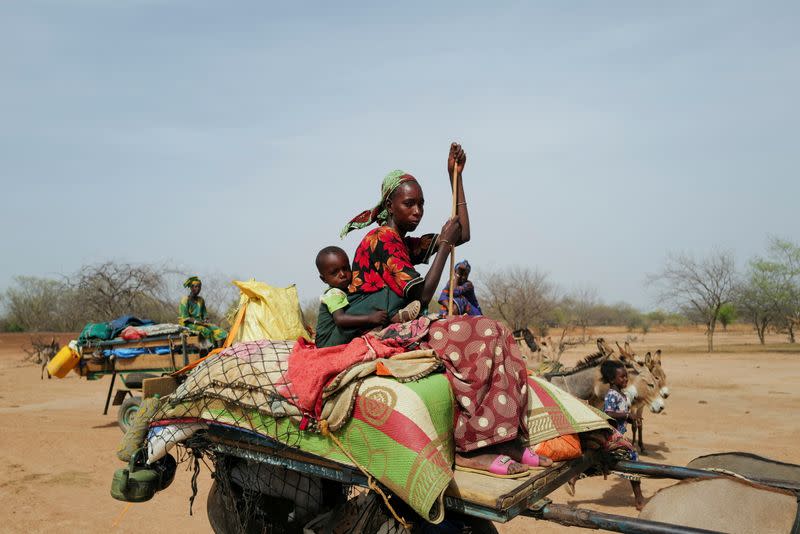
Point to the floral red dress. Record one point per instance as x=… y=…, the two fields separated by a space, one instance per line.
x=483 y=364
x=384 y=259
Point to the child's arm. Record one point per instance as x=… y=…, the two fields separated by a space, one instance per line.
x=346 y=320
x=618 y=415
x=336 y=301
x=613 y=406
x=627 y=416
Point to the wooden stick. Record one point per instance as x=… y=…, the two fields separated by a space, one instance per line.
x=121 y=515
x=452 y=245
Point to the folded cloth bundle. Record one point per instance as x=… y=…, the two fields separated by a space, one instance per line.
x=132 y=353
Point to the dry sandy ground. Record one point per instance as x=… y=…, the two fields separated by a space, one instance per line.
x=57 y=449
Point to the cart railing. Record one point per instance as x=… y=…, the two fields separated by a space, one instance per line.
x=580 y=517
x=652 y=470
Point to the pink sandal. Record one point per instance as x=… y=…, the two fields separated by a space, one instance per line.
x=532 y=459
x=498 y=468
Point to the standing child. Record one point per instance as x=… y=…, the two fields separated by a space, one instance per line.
x=334 y=269
x=618 y=407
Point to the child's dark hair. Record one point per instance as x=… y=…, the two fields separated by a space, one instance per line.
x=326 y=251
x=608 y=370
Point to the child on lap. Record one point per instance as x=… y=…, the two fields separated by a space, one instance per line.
x=334 y=269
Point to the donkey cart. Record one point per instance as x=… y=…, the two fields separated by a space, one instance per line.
x=262 y=486
x=118 y=357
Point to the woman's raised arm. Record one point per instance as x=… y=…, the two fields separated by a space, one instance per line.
x=450 y=231
x=454 y=232
x=457 y=156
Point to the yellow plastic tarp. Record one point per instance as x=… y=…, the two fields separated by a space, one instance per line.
x=272 y=312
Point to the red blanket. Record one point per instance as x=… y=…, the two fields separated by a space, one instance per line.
x=312 y=368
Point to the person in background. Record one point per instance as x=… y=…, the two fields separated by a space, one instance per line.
x=193 y=314
x=464 y=300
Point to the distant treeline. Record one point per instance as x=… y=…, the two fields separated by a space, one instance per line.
x=102 y=292
x=525 y=298
x=707 y=291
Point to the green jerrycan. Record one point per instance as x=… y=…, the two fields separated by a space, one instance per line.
x=137 y=483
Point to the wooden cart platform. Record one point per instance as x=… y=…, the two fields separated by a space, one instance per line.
x=184 y=349
x=501 y=499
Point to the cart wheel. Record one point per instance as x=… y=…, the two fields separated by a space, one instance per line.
x=481 y=526
x=220 y=511
x=241 y=512
x=471 y=524
x=127 y=411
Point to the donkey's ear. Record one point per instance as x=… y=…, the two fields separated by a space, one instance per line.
x=628 y=348
x=657 y=358
x=648 y=360
x=620 y=348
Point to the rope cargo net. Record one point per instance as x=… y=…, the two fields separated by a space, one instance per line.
x=234 y=412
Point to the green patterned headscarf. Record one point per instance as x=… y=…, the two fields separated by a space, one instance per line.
x=379 y=213
x=191 y=280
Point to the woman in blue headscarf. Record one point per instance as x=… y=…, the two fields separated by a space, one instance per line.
x=464 y=300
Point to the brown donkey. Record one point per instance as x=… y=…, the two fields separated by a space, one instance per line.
x=582 y=380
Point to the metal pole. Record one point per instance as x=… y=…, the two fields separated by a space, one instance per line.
x=663 y=470
x=680 y=473
x=579 y=517
x=185 y=349
x=110 y=387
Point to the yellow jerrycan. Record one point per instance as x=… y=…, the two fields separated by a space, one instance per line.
x=63 y=362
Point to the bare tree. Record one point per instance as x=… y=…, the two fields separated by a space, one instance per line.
x=700 y=286
x=786 y=256
x=111 y=289
x=762 y=296
x=310 y=310
x=756 y=306
x=104 y=291
x=770 y=293
x=581 y=305
x=520 y=296
x=39 y=304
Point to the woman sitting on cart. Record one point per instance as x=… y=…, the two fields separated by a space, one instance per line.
x=193 y=314
x=486 y=373
x=465 y=302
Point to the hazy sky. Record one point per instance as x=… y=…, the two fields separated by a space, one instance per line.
x=239 y=137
